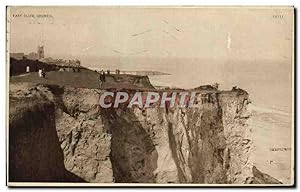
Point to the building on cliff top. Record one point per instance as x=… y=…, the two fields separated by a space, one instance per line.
x=40 y=54
x=64 y=65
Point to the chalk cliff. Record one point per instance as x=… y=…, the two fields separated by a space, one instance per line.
x=211 y=143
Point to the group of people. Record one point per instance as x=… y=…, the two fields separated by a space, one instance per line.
x=42 y=73
x=103 y=73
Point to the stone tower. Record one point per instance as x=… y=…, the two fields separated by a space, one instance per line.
x=40 y=52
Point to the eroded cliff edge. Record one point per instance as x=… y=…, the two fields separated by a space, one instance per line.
x=208 y=144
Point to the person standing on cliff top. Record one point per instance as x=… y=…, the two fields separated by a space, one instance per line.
x=27 y=69
x=102 y=78
x=43 y=73
x=40 y=72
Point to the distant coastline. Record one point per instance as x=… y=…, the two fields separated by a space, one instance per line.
x=130 y=72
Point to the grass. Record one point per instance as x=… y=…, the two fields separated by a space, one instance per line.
x=84 y=79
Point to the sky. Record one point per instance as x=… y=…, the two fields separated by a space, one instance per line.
x=153 y=32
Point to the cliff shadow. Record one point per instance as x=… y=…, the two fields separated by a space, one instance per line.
x=207 y=142
x=205 y=145
x=34 y=149
x=133 y=154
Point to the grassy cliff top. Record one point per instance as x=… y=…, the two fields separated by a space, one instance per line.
x=84 y=79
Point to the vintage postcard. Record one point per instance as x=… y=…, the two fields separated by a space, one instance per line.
x=150 y=96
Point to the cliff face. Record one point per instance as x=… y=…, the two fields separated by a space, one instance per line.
x=208 y=144
x=34 y=150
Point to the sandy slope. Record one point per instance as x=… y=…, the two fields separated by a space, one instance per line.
x=272 y=134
